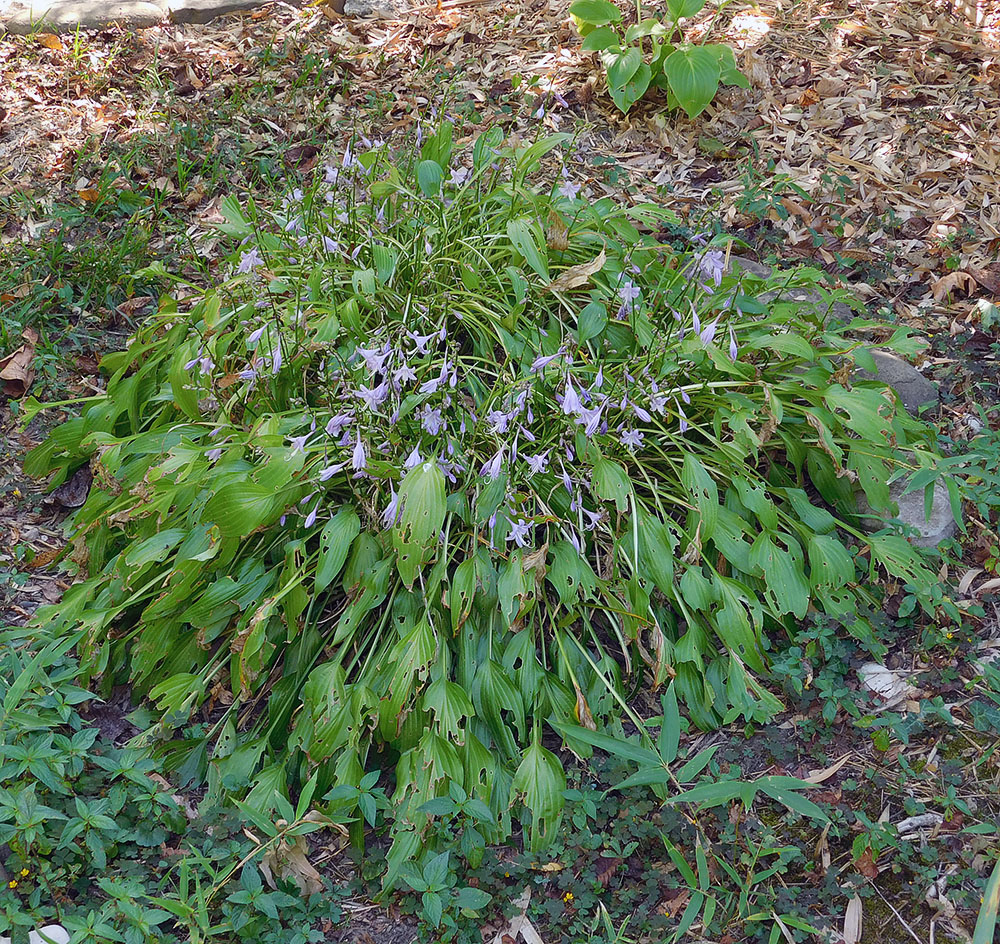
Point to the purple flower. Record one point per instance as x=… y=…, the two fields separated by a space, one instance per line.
x=311 y=517
x=276 y=359
x=538 y=463
x=373 y=397
x=298 y=443
x=631 y=438
x=431 y=420
x=338 y=422
x=567 y=481
x=593 y=518
x=249 y=261
x=391 y=513
x=683 y=423
x=712 y=264
x=569 y=189
x=430 y=386
x=628 y=292
x=571 y=400
x=214 y=455
x=491 y=469
x=641 y=413
x=590 y=419
x=330 y=245
x=330 y=471
x=540 y=363
x=359 y=458
x=404 y=374
x=733 y=349
x=375 y=360
x=421 y=340
x=519 y=532
x=330 y=174
x=458 y=176
x=707 y=334
x=658 y=403
x=413 y=459
x=499 y=421
x=254 y=336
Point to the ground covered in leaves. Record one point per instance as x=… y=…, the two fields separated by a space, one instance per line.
x=866 y=146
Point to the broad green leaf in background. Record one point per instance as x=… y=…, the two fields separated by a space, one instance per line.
x=693 y=74
x=334 y=543
x=595 y=12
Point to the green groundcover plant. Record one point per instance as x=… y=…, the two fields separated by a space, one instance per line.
x=451 y=455
x=647 y=54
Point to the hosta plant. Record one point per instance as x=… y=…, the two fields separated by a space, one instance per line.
x=451 y=455
x=647 y=54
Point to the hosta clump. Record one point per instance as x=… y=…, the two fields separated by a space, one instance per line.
x=447 y=455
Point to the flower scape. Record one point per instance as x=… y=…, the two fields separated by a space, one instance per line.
x=456 y=455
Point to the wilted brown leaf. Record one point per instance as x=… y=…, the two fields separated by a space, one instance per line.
x=302 y=156
x=556 y=234
x=853 y=921
x=16 y=369
x=89 y=194
x=577 y=275
x=50 y=41
x=865 y=864
x=943 y=287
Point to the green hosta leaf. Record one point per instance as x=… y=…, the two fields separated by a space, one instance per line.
x=785 y=583
x=622 y=66
x=424 y=503
x=656 y=552
x=429 y=177
x=592 y=321
x=239 y=508
x=830 y=563
x=570 y=574
x=155 y=548
x=679 y=9
x=595 y=12
x=540 y=781
x=626 y=96
x=522 y=238
x=704 y=496
x=611 y=483
x=463 y=590
x=693 y=74
x=334 y=544
x=599 y=39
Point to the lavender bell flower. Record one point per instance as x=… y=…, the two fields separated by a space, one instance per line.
x=683 y=426
x=519 y=532
x=631 y=438
x=359 y=458
x=373 y=397
x=391 y=513
x=491 y=469
x=298 y=443
x=538 y=463
x=254 y=336
x=249 y=261
x=311 y=517
x=330 y=471
x=431 y=420
x=413 y=459
x=707 y=334
x=338 y=422
x=733 y=348
x=712 y=264
x=571 y=401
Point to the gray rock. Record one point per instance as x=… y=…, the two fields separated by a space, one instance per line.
x=202 y=11
x=931 y=531
x=914 y=389
x=827 y=311
x=62 y=16
x=382 y=9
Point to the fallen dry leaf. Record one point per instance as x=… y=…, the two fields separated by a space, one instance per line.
x=519 y=925
x=290 y=860
x=16 y=369
x=853 y=920
x=577 y=275
x=818 y=776
x=50 y=41
x=89 y=194
x=943 y=287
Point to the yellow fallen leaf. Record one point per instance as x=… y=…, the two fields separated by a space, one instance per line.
x=89 y=195
x=50 y=41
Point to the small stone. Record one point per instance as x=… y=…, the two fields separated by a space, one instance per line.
x=808 y=297
x=916 y=391
x=930 y=531
x=64 y=16
x=382 y=9
x=202 y=11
